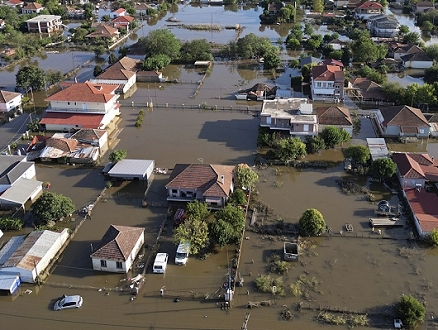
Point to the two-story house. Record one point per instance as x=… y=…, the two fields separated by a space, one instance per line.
x=294 y=116
x=383 y=26
x=118 y=12
x=44 y=24
x=122 y=22
x=367 y=9
x=81 y=105
x=327 y=82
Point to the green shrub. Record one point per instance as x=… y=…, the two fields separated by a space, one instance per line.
x=11 y=224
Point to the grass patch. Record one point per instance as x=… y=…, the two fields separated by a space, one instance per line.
x=268 y=284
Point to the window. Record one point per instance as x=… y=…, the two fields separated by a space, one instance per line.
x=421 y=131
x=118 y=265
x=103 y=263
x=68 y=103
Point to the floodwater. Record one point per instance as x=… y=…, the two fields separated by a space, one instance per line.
x=360 y=271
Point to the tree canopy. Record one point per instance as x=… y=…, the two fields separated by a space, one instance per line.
x=290 y=149
x=50 y=207
x=156 y=62
x=410 y=310
x=161 y=41
x=334 y=136
x=246 y=177
x=360 y=154
x=118 y=155
x=31 y=77
x=312 y=223
x=237 y=197
x=383 y=168
x=228 y=225
x=195 y=228
x=196 y=50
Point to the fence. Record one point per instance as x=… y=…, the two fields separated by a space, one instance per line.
x=198 y=107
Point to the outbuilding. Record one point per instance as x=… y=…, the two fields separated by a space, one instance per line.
x=30 y=255
x=132 y=169
x=9 y=282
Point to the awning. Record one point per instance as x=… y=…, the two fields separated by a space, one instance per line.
x=9 y=282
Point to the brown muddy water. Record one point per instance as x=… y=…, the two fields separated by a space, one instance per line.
x=360 y=271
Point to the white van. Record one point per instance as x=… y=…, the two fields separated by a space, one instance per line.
x=182 y=253
x=160 y=263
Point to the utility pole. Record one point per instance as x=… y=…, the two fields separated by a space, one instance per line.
x=245 y=321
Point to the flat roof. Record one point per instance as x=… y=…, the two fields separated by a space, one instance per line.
x=21 y=191
x=378 y=148
x=135 y=167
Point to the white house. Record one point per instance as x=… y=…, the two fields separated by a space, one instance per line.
x=132 y=169
x=327 y=82
x=18 y=186
x=44 y=24
x=418 y=60
x=32 y=8
x=294 y=116
x=383 y=26
x=118 y=249
x=10 y=101
x=82 y=105
x=119 y=12
x=122 y=73
x=367 y=9
x=29 y=255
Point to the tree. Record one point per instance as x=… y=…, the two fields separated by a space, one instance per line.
x=271 y=59
x=237 y=197
x=194 y=231
x=346 y=56
x=318 y=6
x=360 y=154
x=431 y=74
x=383 y=168
x=333 y=136
x=112 y=58
x=51 y=207
x=364 y=50
x=161 y=41
x=290 y=149
x=315 y=144
x=394 y=91
x=411 y=38
x=97 y=70
x=246 y=177
x=99 y=50
x=431 y=238
x=196 y=50
x=54 y=76
x=312 y=223
x=432 y=52
x=410 y=310
x=156 y=62
x=31 y=77
x=403 y=29
x=198 y=210
x=314 y=41
x=228 y=225
x=117 y=155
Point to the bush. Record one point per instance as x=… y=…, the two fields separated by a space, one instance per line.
x=410 y=310
x=277 y=265
x=265 y=283
x=10 y=224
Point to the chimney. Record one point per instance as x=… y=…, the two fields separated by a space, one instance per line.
x=222 y=179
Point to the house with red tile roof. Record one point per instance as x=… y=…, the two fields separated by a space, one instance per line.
x=122 y=22
x=364 y=89
x=104 y=31
x=413 y=170
x=368 y=8
x=32 y=8
x=211 y=184
x=423 y=205
x=402 y=121
x=81 y=105
x=14 y=3
x=118 y=12
x=122 y=73
x=327 y=82
x=334 y=116
x=118 y=249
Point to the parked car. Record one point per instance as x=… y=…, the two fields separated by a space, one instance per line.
x=67 y=302
x=160 y=263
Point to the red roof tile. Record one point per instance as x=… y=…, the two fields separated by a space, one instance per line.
x=423 y=204
x=370 y=5
x=82 y=120
x=327 y=73
x=85 y=92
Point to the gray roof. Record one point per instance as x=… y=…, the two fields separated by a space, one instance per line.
x=308 y=60
x=12 y=167
x=21 y=191
x=131 y=167
x=378 y=148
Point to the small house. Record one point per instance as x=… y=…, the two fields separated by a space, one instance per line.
x=118 y=249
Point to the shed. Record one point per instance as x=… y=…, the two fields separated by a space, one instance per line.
x=202 y=63
x=22 y=191
x=9 y=282
x=30 y=255
x=378 y=148
x=132 y=169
